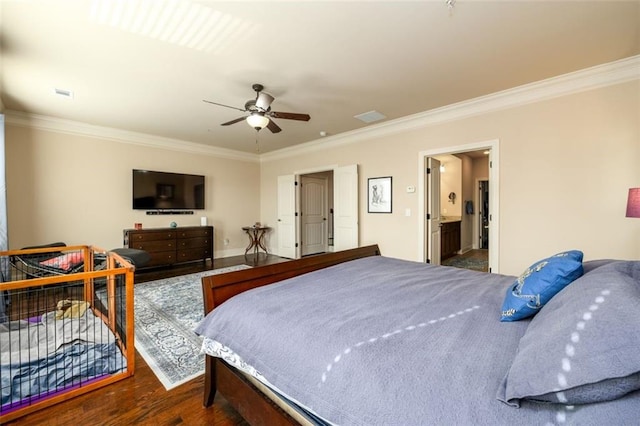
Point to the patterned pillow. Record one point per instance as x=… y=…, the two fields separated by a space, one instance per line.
x=539 y=283
x=583 y=345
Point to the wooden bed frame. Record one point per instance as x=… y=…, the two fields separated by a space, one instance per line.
x=252 y=404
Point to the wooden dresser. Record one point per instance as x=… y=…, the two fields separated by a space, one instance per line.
x=172 y=245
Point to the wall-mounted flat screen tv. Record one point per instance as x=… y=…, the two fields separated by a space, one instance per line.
x=167 y=191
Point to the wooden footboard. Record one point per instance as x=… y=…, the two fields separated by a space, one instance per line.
x=244 y=397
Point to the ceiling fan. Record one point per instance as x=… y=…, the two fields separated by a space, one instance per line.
x=260 y=113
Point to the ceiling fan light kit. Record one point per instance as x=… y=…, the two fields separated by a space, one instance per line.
x=257 y=121
x=260 y=113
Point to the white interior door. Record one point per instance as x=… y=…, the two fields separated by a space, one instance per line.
x=345 y=207
x=287 y=217
x=314 y=212
x=432 y=201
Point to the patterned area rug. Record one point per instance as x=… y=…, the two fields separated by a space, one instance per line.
x=165 y=313
x=467 y=263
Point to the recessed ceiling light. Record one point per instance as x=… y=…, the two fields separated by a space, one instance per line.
x=486 y=152
x=370 y=117
x=63 y=93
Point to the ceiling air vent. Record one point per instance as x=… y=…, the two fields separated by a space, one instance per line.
x=63 y=93
x=370 y=117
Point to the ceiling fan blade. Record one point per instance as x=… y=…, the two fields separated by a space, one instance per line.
x=263 y=101
x=223 y=105
x=233 y=121
x=273 y=127
x=290 y=115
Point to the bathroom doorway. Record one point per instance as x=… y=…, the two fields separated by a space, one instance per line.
x=477 y=214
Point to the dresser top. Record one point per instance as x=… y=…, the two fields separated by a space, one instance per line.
x=168 y=228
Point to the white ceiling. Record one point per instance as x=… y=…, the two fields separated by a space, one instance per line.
x=146 y=65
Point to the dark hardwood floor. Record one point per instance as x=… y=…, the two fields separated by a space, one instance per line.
x=141 y=399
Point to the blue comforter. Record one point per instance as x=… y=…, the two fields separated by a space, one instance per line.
x=381 y=341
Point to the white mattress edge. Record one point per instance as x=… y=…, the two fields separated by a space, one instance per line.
x=214 y=348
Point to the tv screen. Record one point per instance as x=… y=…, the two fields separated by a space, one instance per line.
x=167 y=191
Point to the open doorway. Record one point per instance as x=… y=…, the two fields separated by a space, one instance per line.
x=317 y=211
x=467 y=197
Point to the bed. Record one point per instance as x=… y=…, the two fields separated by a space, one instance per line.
x=355 y=338
x=68 y=325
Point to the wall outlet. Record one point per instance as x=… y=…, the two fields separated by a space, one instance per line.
x=226 y=241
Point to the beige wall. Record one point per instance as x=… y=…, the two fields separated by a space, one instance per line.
x=77 y=189
x=565 y=167
x=450 y=181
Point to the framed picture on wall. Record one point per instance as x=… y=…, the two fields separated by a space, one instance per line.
x=379 y=198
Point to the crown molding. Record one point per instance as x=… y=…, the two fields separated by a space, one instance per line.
x=59 y=125
x=608 y=74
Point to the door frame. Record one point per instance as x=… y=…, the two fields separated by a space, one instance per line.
x=352 y=224
x=297 y=174
x=494 y=202
x=325 y=213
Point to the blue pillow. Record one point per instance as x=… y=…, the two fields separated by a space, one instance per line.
x=539 y=283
